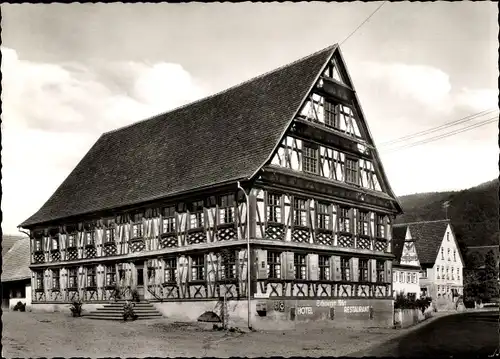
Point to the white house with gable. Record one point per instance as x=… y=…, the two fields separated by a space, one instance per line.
x=406 y=265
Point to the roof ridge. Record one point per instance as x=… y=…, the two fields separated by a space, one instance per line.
x=223 y=91
x=408 y=223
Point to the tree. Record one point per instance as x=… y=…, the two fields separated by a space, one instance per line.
x=473 y=288
x=490 y=277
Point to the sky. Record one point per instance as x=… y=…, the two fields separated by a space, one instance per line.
x=72 y=72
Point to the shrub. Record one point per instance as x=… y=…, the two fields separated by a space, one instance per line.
x=128 y=311
x=20 y=307
x=403 y=302
x=76 y=308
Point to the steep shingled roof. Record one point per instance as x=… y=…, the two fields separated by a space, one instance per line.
x=15 y=263
x=222 y=138
x=428 y=237
x=8 y=242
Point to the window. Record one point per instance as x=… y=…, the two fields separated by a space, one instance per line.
x=344 y=220
x=198 y=267
x=89 y=238
x=454 y=255
x=363 y=270
x=397 y=276
x=71 y=240
x=273 y=265
x=402 y=277
x=331 y=118
x=170 y=270
x=351 y=170
x=363 y=223
x=299 y=269
x=380 y=226
x=228 y=265
x=442 y=272
x=39 y=280
x=110 y=235
x=449 y=258
x=226 y=209
x=72 y=278
x=324 y=267
x=111 y=275
x=55 y=279
x=91 y=277
x=394 y=277
x=274 y=208
x=55 y=243
x=380 y=271
x=452 y=273
x=437 y=272
x=197 y=214
x=447 y=276
x=168 y=222
x=408 y=278
x=345 y=270
x=442 y=253
x=309 y=157
x=299 y=212
x=38 y=244
x=458 y=273
x=323 y=216
x=137 y=230
x=448 y=236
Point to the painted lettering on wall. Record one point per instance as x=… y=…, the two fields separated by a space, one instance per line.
x=356 y=309
x=304 y=311
x=330 y=303
x=279 y=305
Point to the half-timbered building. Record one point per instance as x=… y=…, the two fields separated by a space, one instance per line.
x=155 y=207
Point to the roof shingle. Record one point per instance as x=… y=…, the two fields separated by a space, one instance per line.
x=208 y=142
x=15 y=263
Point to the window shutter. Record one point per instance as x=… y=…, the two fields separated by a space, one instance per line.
x=387 y=271
x=373 y=269
x=261 y=262
x=354 y=265
x=335 y=270
x=288 y=264
x=312 y=266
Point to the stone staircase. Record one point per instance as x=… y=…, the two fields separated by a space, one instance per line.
x=114 y=311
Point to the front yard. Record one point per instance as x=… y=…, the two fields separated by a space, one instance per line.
x=59 y=335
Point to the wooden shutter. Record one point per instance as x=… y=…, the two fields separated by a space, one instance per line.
x=287 y=265
x=388 y=271
x=373 y=269
x=336 y=270
x=261 y=263
x=354 y=266
x=312 y=266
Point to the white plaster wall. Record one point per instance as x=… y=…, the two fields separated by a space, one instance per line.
x=26 y=300
x=450 y=262
x=400 y=286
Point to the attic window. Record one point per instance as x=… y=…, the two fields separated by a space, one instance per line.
x=309 y=158
x=331 y=115
x=442 y=253
x=448 y=236
x=454 y=255
x=351 y=170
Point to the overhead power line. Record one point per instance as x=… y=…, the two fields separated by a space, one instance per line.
x=440 y=127
x=449 y=134
x=364 y=22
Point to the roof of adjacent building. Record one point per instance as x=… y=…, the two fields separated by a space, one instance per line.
x=214 y=141
x=428 y=237
x=15 y=263
x=8 y=242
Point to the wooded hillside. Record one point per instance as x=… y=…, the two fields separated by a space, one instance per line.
x=473 y=212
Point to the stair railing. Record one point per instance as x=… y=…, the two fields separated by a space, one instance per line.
x=153 y=293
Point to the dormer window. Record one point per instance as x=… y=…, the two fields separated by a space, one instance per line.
x=309 y=157
x=226 y=209
x=168 y=222
x=351 y=170
x=196 y=215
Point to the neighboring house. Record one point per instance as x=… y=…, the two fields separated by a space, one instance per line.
x=440 y=258
x=406 y=267
x=8 y=242
x=155 y=207
x=16 y=274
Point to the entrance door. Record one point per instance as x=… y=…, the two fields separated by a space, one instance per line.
x=140 y=279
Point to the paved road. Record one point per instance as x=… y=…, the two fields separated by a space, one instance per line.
x=461 y=335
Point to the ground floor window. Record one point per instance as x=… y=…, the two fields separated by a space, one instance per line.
x=227 y=265
x=324 y=268
x=110 y=275
x=198 y=268
x=170 y=270
x=72 y=278
x=55 y=279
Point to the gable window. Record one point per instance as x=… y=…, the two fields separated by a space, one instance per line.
x=198 y=267
x=55 y=243
x=351 y=170
x=437 y=272
x=458 y=273
x=110 y=275
x=89 y=238
x=228 y=265
x=299 y=268
x=55 y=279
x=380 y=271
x=452 y=273
x=110 y=235
x=380 y=226
x=344 y=220
x=454 y=255
x=331 y=117
x=170 y=270
x=345 y=270
x=273 y=265
x=309 y=157
x=91 y=277
x=449 y=258
x=447 y=276
x=442 y=253
x=72 y=278
x=299 y=212
x=226 y=209
x=168 y=220
x=363 y=270
x=324 y=267
x=196 y=215
x=323 y=216
x=448 y=236
x=363 y=223
x=274 y=208
x=39 y=280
